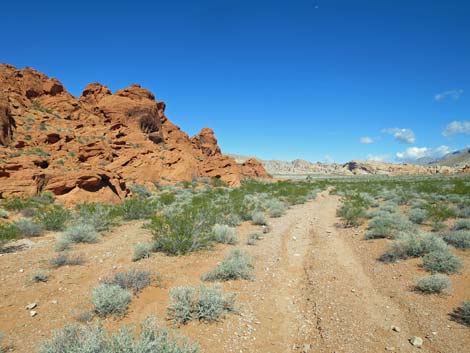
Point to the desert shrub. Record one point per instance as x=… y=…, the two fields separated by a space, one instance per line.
x=39 y=276
x=94 y=339
x=28 y=212
x=81 y=233
x=8 y=231
x=387 y=226
x=63 y=243
x=253 y=237
x=433 y=284
x=28 y=228
x=276 y=208
x=167 y=198
x=463 y=212
x=459 y=239
x=142 y=251
x=44 y=198
x=417 y=215
x=413 y=245
x=205 y=304
x=101 y=217
x=53 y=217
x=110 y=299
x=140 y=190
x=222 y=233
x=181 y=232
x=438 y=212
x=351 y=214
x=462 y=313
x=236 y=265
x=15 y=203
x=462 y=224
x=66 y=260
x=442 y=261
x=137 y=208
x=3 y=214
x=259 y=218
x=134 y=280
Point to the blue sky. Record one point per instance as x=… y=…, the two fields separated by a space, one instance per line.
x=277 y=79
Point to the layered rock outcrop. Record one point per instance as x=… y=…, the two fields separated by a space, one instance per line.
x=86 y=148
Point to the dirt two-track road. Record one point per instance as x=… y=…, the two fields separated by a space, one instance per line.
x=318 y=288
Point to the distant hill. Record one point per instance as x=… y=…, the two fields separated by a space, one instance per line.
x=457 y=159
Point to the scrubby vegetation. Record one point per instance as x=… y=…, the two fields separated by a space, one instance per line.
x=110 y=299
x=433 y=284
x=93 y=338
x=462 y=313
x=134 y=280
x=53 y=217
x=441 y=261
x=236 y=265
x=142 y=251
x=460 y=239
x=67 y=260
x=204 y=304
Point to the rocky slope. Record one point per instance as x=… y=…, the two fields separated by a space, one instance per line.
x=88 y=148
x=302 y=167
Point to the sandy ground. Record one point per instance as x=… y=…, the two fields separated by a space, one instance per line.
x=318 y=288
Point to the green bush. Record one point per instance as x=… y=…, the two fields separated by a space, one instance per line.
x=134 y=280
x=53 y=217
x=8 y=231
x=205 y=304
x=3 y=214
x=101 y=217
x=152 y=338
x=460 y=239
x=276 y=208
x=66 y=260
x=142 y=251
x=15 y=203
x=413 y=245
x=110 y=299
x=137 y=208
x=351 y=214
x=222 y=233
x=438 y=212
x=81 y=233
x=462 y=313
x=433 y=284
x=441 y=261
x=44 y=198
x=140 y=190
x=236 y=265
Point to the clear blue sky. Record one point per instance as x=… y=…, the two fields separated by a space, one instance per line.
x=277 y=79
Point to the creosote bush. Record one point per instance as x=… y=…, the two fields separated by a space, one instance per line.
x=101 y=217
x=433 y=284
x=236 y=265
x=137 y=208
x=8 y=231
x=222 y=233
x=110 y=299
x=152 y=338
x=204 y=304
x=441 y=261
x=53 y=217
x=351 y=214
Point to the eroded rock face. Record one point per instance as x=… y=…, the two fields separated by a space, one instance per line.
x=83 y=149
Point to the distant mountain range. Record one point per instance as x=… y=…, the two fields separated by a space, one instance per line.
x=456 y=159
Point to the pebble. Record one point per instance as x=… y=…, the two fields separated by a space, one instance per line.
x=21 y=270
x=54 y=301
x=31 y=306
x=396 y=329
x=390 y=349
x=306 y=348
x=416 y=341
x=33 y=313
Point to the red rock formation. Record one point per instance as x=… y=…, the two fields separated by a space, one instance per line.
x=85 y=148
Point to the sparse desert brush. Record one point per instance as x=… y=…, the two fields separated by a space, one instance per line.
x=351 y=214
x=236 y=265
x=39 y=276
x=413 y=245
x=459 y=239
x=433 y=284
x=259 y=218
x=167 y=198
x=462 y=224
x=462 y=313
x=15 y=203
x=181 y=232
x=66 y=260
x=276 y=208
x=8 y=231
x=140 y=190
x=463 y=212
x=3 y=214
x=94 y=339
x=110 y=299
x=222 y=233
x=134 y=280
x=441 y=261
x=44 y=198
x=81 y=233
x=387 y=226
x=418 y=215
x=204 y=304
x=253 y=237
x=29 y=228
x=439 y=212
x=101 y=217
x=142 y=251
x=53 y=217
x=137 y=208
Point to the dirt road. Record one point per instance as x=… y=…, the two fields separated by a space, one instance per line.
x=318 y=288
